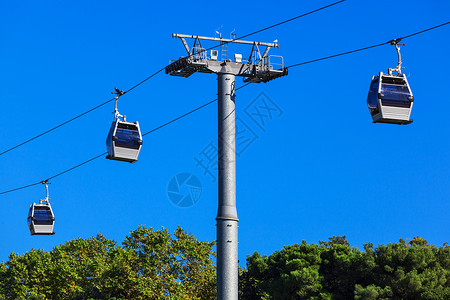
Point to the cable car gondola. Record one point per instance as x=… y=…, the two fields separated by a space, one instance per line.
x=40 y=216
x=390 y=99
x=124 y=139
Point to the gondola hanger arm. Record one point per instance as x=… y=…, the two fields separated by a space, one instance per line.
x=116 y=113
x=398 y=68
x=46 y=183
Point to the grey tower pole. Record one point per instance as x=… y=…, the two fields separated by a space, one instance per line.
x=227 y=221
x=257 y=69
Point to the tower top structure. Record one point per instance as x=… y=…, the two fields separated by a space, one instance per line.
x=257 y=68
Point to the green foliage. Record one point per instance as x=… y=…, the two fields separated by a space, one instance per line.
x=335 y=240
x=150 y=265
x=292 y=273
x=179 y=268
x=334 y=270
x=159 y=265
x=372 y=292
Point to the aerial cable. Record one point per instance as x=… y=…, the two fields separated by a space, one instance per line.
x=74 y=167
x=391 y=42
x=425 y=30
x=206 y=104
x=141 y=82
x=210 y=102
x=56 y=127
x=268 y=27
x=104 y=153
x=20 y=188
x=291 y=19
x=156 y=73
x=188 y=113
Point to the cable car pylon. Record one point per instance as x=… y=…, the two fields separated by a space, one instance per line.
x=256 y=69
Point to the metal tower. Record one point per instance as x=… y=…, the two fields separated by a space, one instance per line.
x=257 y=68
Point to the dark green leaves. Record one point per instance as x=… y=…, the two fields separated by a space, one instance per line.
x=334 y=270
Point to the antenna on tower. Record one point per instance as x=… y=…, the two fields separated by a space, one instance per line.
x=218 y=32
x=233 y=34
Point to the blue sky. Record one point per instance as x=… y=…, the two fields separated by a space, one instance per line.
x=317 y=168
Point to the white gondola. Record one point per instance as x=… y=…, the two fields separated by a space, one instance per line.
x=390 y=99
x=40 y=217
x=124 y=139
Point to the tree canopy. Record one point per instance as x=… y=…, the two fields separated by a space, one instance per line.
x=334 y=270
x=149 y=265
x=153 y=264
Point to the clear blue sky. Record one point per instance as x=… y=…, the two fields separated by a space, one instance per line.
x=319 y=168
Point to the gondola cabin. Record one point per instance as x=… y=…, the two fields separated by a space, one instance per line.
x=124 y=141
x=390 y=99
x=41 y=219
